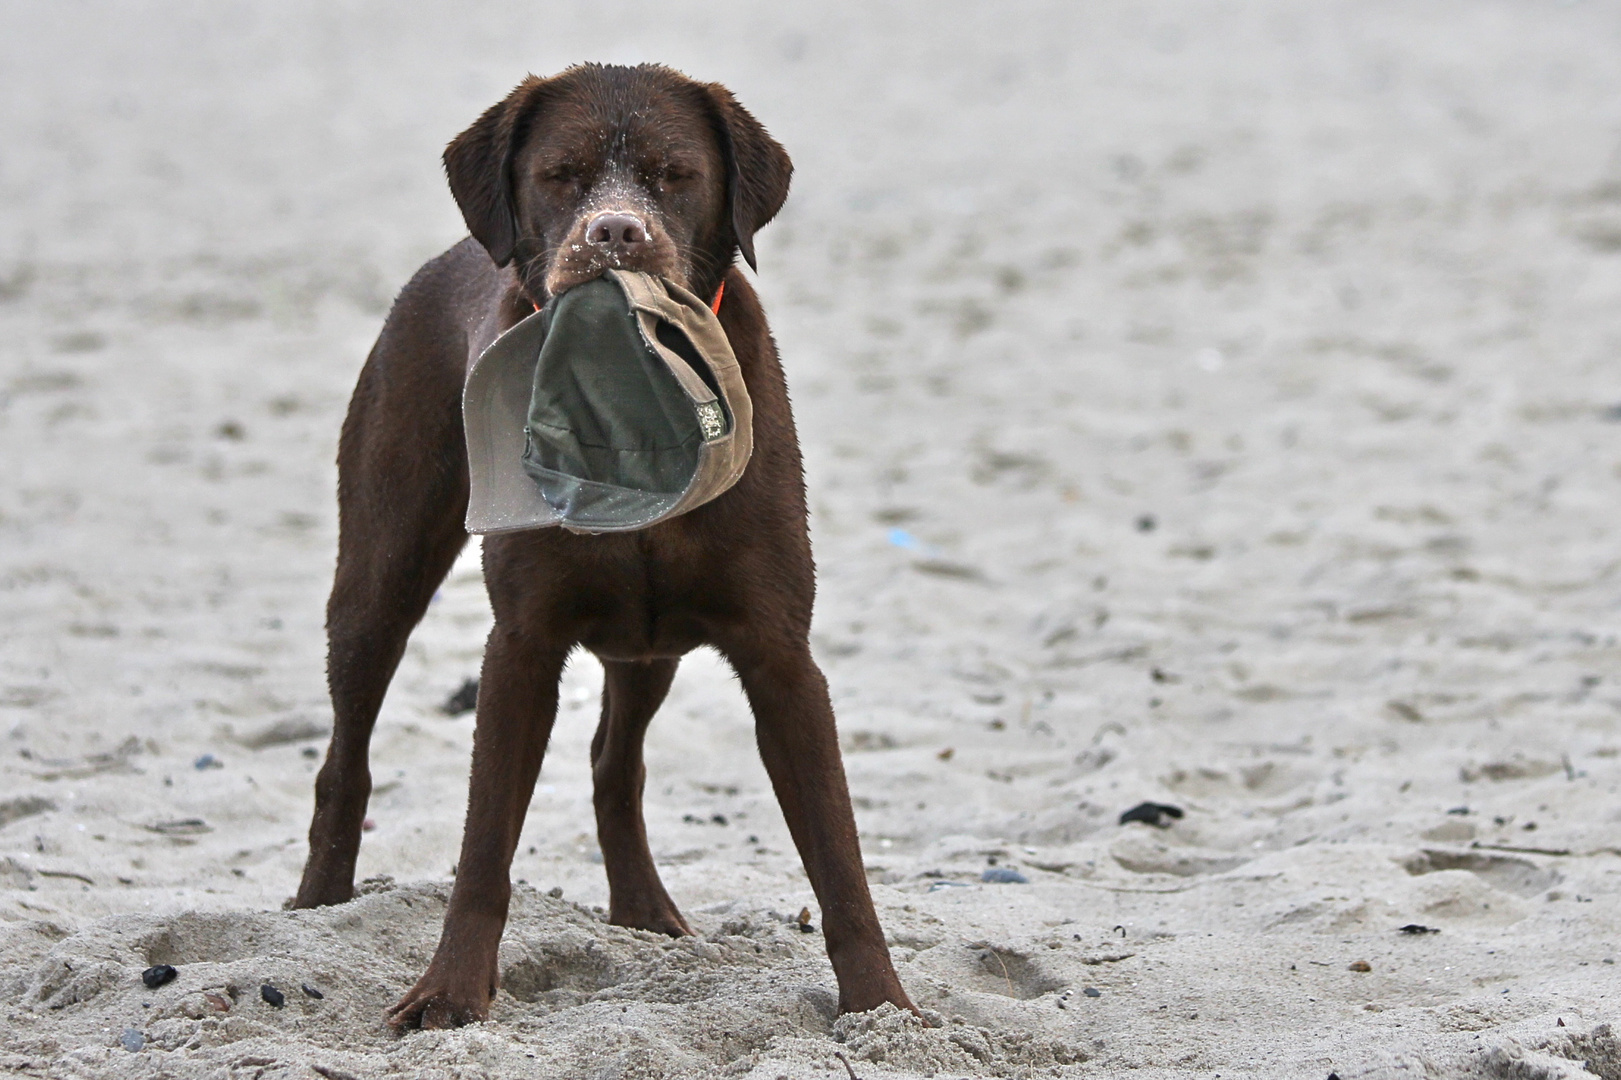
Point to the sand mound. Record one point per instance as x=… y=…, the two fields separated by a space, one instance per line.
x=579 y=998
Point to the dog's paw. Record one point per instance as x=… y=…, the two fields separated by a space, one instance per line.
x=873 y=992
x=432 y=1004
x=667 y=921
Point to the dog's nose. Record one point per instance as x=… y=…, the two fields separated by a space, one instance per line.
x=623 y=231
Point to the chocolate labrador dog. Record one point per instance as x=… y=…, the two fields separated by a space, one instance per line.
x=637 y=168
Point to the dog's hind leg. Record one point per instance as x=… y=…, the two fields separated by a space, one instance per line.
x=631 y=694
x=402 y=494
x=793 y=723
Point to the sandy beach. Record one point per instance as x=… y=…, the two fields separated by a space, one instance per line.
x=1209 y=405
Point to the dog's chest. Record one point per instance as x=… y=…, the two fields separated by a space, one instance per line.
x=662 y=592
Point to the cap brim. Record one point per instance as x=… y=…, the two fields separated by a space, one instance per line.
x=501 y=497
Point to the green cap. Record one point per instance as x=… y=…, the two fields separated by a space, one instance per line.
x=617 y=405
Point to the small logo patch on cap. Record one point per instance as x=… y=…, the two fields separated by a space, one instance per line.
x=711 y=421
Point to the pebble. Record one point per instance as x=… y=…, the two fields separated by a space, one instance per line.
x=464 y=700
x=1361 y=965
x=1003 y=875
x=155 y=977
x=311 y=991
x=207 y=761
x=131 y=1040
x=273 y=997
x=1152 y=813
x=1417 y=928
x=1092 y=991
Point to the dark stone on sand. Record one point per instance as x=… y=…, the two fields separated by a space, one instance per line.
x=311 y=991
x=464 y=700
x=1152 y=813
x=155 y=977
x=273 y=997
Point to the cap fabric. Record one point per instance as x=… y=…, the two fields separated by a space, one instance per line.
x=617 y=405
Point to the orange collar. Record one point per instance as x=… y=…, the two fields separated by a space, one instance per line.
x=714 y=305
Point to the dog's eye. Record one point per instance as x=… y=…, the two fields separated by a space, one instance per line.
x=675 y=174
x=562 y=174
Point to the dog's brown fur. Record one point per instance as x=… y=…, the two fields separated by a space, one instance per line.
x=530 y=176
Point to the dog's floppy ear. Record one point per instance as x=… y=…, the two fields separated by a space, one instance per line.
x=757 y=169
x=478 y=164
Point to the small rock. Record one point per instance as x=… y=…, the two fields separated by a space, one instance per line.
x=464 y=700
x=368 y=825
x=218 y=1001
x=1361 y=965
x=555 y=892
x=1146 y=523
x=273 y=997
x=1152 y=813
x=1417 y=928
x=155 y=977
x=1092 y=991
x=131 y=1040
x=804 y=921
x=1003 y=875
x=207 y=761
x=311 y=991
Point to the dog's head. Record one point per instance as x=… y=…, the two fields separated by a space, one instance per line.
x=605 y=167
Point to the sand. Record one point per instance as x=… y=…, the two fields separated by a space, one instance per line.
x=1214 y=405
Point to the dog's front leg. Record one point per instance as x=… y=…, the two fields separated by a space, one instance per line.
x=793 y=721
x=517 y=703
